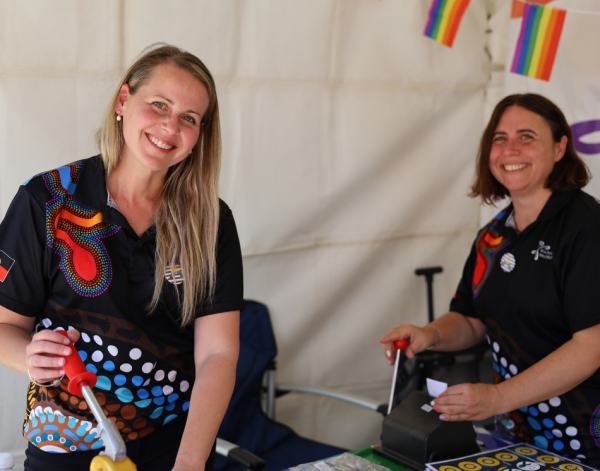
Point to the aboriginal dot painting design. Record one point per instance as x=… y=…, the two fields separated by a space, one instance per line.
x=142 y=385
x=75 y=233
x=488 y=243
x=550 y=424
x=51 y=431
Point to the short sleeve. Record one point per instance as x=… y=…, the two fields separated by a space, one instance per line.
x=229 y=291
x=578 y=269
x=462 y=301
x=23 y=288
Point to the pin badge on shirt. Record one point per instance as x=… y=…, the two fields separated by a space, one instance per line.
x=508 y=262
x=174 y=275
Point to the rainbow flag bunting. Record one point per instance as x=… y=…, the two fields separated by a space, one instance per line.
x=538 y=41
x=444 y=20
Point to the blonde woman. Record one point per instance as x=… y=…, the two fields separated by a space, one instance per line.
x=133 y=254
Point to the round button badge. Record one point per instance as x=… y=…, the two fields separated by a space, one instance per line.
x=508 y=262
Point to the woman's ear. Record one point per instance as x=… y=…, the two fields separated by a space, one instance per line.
x=560 y=148
x=122 y=98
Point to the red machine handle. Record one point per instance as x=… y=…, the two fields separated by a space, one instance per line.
x=400 y=344
x=75 y=370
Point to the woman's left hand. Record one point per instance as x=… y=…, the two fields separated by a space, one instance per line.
x=468 y=402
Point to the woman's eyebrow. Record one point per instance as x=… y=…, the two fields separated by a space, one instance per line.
x=170 y=102
x=527 y=130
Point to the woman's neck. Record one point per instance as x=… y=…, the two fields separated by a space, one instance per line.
x=134 y=183
x=135 y=190
x=528 y=208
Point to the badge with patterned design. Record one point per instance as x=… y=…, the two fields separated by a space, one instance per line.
x=508 y=262
x=174 y=274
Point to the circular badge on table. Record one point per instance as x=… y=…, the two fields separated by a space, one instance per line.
x=508 y=262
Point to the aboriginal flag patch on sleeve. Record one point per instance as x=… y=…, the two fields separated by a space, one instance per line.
x=6 y=264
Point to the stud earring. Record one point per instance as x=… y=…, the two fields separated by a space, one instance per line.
x=118 y=116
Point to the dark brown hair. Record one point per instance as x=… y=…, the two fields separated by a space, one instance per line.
x=569 y=173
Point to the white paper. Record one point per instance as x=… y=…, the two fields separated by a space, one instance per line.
x=435 y=388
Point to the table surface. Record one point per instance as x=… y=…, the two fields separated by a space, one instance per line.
x=368 y=454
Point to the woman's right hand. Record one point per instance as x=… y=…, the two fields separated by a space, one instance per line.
x=417 y=340
x=41 y=354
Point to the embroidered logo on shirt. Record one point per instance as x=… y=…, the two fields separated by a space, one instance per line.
x=6 y=264
x=174 y=275
x=542 y=251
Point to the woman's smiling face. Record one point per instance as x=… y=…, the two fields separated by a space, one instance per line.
x=524 y=152
x=161 y=121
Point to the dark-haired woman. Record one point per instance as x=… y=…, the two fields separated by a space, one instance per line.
x=133 y=254
x=530 y=285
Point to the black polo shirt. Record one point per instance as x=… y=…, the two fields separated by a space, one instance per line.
x=533 y=291
x=70 y=259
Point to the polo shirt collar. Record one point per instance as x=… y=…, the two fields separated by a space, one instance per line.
x=91 y=191
x=554 y=204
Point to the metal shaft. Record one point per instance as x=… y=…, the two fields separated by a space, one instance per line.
x=114 y=446
x=92 y=403
x=394 y=381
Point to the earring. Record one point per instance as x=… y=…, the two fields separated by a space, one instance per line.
x=118 y=116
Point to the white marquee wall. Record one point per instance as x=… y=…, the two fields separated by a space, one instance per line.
x=348 y=144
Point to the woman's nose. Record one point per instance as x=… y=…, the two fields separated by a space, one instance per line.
x=171 y=124
x=512 y=148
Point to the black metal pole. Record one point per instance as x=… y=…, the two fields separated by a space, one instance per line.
x=428 y=272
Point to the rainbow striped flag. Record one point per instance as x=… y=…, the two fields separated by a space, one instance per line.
x=444 y=20
x=538 y=41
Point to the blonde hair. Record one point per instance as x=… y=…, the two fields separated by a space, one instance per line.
x=187 y=214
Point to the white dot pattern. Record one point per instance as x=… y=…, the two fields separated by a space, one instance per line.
x=114 y=351
x=47 y=322
x=496 y=347
x=167 y=390
x=575 y=444
x=503 y=362
x=561 y=419
x=554 y=402
x=135 y=354
x=184 y=386
x=159 y=375
x=172 y=375
x=125 y=367
x=557 y=433
x=571 y=431
x=543 y=407
x=147 y=382
x=85 y=337
x=97 y=356
x=513 y=369
x=97 y=339
x=147 y=367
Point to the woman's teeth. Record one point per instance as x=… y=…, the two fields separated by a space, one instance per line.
x=512 y=168
x=160 y=143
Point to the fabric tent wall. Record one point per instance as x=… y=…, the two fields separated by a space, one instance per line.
x=348 y=143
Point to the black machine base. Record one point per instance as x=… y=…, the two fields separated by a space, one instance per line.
x=413 y=435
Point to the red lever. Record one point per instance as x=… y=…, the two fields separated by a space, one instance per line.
x=400 y=344
x=75 y=370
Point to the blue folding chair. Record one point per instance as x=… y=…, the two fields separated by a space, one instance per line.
x=249 y=436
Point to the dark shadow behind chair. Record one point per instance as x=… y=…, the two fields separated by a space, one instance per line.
x=245 y=423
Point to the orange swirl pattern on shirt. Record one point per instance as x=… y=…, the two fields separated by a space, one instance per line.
x=75 y=232
x=488 y=243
